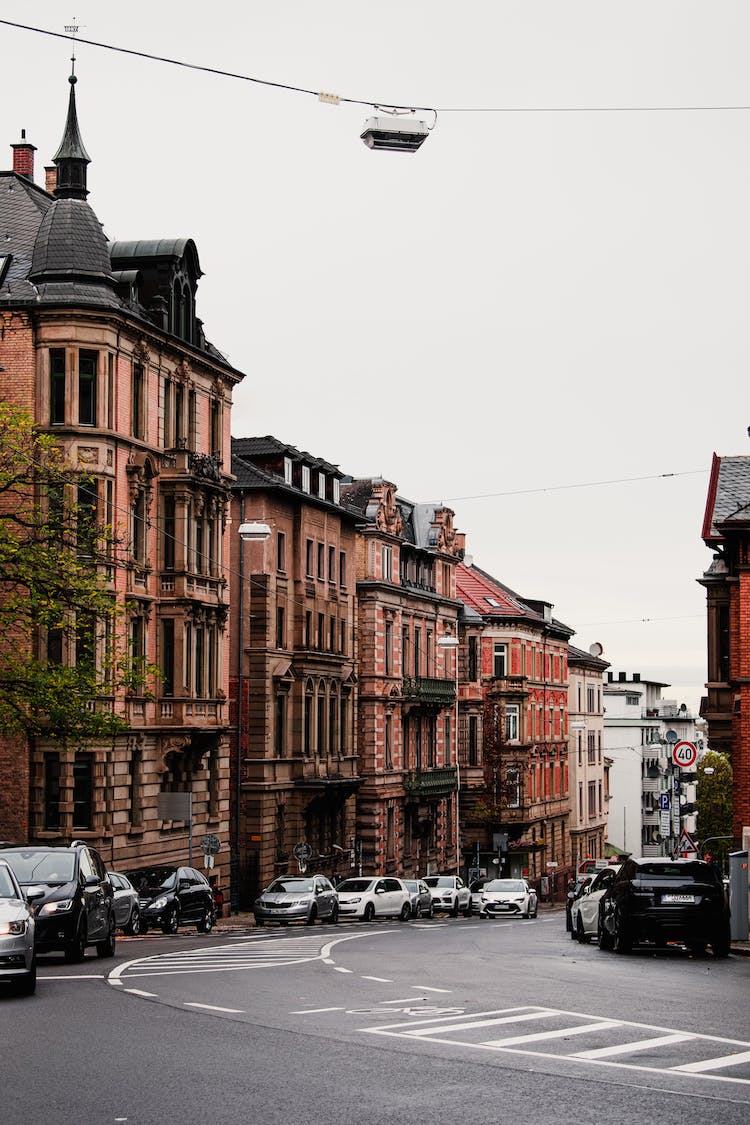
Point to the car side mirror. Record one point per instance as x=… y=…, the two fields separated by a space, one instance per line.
x=91 y=881
x=33 y=893
x=183 y=883
x=380 y=890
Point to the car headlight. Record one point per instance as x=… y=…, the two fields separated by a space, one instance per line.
x=353 y=900
x=158 y=904
x=58 y=907
x=16 y=928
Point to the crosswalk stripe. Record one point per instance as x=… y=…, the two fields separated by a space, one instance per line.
x=445 y=1028
x=636 y=1045
x=712 y=1064
x=559 y=1033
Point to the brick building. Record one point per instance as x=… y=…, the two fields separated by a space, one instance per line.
x=407 y=808
x=101 y=344
x=293 y=663
x=522 y=811
x=726 y=706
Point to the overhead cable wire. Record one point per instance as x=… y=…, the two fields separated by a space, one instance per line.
x=579 y=484
x=376 y=103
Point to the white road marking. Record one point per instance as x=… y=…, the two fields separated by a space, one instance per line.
x=79 y=976
x=637 y=1045
x=498 y=1018
x=560 y=1033
x=406 y=1000
x=339 y=969
x=313 y=1011
x=381 y=980
x=139 y=992
x=426 y=988
x=213 y=1007
x=712 y=1064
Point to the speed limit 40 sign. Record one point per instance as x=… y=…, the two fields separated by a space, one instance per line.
x=684 y=754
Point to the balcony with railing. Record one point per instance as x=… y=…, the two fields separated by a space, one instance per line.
x=434 y=690
x=437 y=782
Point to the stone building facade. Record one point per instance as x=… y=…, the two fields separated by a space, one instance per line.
x=293 y=664
x=101 y=344
x=589 y=780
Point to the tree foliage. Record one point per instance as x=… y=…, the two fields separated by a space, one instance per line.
x=714 y=800
x=58 y=616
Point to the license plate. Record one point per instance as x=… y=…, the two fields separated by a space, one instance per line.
x=678 y=898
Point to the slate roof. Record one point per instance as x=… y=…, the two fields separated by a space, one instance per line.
x=22 y=207
x=578 y=656
x=728 y=498
x=268 y=446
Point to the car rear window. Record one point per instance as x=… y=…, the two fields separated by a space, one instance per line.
x=681 y=872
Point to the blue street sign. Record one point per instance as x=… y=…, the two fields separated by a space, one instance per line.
x=664 y=801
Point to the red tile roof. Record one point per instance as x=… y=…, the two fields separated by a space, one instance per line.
x=474 y=587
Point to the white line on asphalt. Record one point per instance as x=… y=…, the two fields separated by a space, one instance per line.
x=471 y=1019
x=213 y=1007
x=339 y=969
x=312 y=1011
x=560 y=1033
x=637 y=1045
x=79 y=976
x=425 y=988
x=381 y=980
x=406 y=1000
x=139 y=992
x=711 y=1064
x=328 y=961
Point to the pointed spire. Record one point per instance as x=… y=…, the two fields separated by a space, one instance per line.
x=71 y=157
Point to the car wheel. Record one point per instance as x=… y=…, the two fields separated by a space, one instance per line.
x=573 y=932
x=454 y=909
x=369 y=912
x=206 y=924
x=429 y=912
x=581 y=934
x=622 y=941
x=171 y=921
x=26 y=986
x=310 y=920
x=106 y=948
x=405 y=914
x=605 y=937
x=75 y=950
x=536 y=909
x=467 y=909
x=260 y=922
x=721 y=943
x=334 y=919
x=133 y=926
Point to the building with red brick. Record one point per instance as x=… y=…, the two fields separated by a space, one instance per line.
x=726 y=705
x=293 y=664
x=407 y=803
x=520 y=814
x=101 y=343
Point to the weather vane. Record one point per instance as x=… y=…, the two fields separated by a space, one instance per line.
x=73 y=29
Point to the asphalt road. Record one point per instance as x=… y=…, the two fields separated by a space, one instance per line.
x=467 y=1020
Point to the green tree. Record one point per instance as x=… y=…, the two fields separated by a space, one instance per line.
x=714 y=799
x=58 y=618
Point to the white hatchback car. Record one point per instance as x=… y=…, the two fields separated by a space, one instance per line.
x=17 y=933
x=508 y=896
x=449 y=894
x=384 y=897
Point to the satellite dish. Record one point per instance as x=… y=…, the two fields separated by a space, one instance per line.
x=671 y=736
x=596 y=649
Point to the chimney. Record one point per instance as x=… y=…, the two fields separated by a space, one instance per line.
x=23 y=157
x=636 y=677
x=623 y=677
x=50 y=178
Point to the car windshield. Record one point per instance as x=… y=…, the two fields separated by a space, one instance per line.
x=7 y=890
x=41 y=866
x=506 y=885
x=291 y=886
x=154 y=878
x=355 y=885
x=439 y=881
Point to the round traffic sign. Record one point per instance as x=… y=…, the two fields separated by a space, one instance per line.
x=210 y=845
x=684 y=754
x=302 y=852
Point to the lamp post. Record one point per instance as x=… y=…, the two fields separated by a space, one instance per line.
x=450 y=640
x=251 y=531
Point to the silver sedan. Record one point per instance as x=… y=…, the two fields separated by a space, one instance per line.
x=17 y=934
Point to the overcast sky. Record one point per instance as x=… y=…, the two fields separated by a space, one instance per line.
x=532 y=301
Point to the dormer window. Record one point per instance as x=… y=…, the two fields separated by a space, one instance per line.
x=336 y=490
x=288 y=470
x=305 y=478
x=322 y=486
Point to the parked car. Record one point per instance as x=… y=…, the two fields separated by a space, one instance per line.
x=661 y=900
x=475 y=890
x=508 y=896
x=575 y=886
x=297 y=898
x=17 y=934
x=449 y=894
x=73 y=897
x=584 y=914
x=127 y=910
x=420 y=898
x=170 y=897
x=366 y=898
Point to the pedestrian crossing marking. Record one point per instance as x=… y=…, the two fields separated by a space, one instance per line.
x=713 y=1064
x=560 y=1033
x=637 y=1045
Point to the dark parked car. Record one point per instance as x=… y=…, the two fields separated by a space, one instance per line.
x=170 y=897
x=75 y=908
x=661 y=900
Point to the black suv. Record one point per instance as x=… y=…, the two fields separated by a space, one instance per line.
x=169 y=897
x=76 y=908
x=662 y=900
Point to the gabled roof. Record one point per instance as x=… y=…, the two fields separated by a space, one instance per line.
x=728 y=498
x=492 y=598
x=269 y=446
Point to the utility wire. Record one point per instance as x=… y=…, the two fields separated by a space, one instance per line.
x=376 y=103
x=579 y=484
